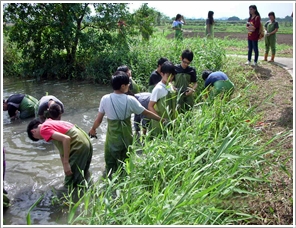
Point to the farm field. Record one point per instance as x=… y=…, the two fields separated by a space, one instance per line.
x=281 y=38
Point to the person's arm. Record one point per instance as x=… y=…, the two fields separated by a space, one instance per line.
x=96 y=124
x=42 y=118
x=152 y=115
x=273 y=32
x=183 y=19
x=191 y=90
x=65 y=139
x=265 y=26
x=12 y=112
x=257 y=22
x=276 y=28
x=151 y=107
x=206 y=94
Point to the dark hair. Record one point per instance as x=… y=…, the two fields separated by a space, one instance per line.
x=187 y=54
x=271 y=14
x=55 y=110
x=119 y=78
x=161 y=61
x=256 y=11
x=210 y=17
x=205 y=74
x=123 y=68
x=178 y=16
x=168 y=67
x=32 y=125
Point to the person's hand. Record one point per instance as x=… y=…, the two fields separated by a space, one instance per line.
x=189 y=91
x=267 y=34
x=251 y=28
x=67 y=169
x=165 y=122
x=92 y=133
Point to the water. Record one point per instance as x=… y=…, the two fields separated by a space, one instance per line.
x=34 y=169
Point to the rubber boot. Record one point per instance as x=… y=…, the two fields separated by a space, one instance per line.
x=272 y=58
x=265 y=57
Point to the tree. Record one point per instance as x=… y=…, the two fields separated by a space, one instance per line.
x=234 y=18
x=144 y=18
x=50 y=35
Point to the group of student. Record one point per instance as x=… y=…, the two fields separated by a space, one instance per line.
x=22 y=106
x=153 y=109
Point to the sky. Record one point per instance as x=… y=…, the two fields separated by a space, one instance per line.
x=199 y=9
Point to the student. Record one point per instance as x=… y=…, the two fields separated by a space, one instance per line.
x=21 y=105
x=185 y=75
x=73 y=143
x=134 y=88
x=163 y=97
x=253 y=26
x=140 y=119
x=210 y=25
x=271 y=28
x=155 y=76
x=177 y=26
x=41 y=109
x=118 y=107
x=218 y=82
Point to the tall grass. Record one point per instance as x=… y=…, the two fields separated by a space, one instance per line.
x=208 y=54
x=201 y=170
x=198 y=173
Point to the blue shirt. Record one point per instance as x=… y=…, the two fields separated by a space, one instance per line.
x=215 y=76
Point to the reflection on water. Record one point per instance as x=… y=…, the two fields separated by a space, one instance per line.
x=34 y=169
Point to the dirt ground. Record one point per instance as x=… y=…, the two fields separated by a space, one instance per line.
x=274 y=205
x=281 y=38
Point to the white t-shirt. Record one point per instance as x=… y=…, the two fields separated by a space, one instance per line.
x=122 y=103
x=158 y=92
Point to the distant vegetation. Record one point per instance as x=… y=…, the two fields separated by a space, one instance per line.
x=66 y=41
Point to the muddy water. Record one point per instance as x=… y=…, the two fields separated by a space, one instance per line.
x=34 y=169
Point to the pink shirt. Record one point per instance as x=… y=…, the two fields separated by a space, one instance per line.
x=51 y=126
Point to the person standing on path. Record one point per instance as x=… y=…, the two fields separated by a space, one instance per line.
x=253 y=26
x=271 y=28
x=210 y=25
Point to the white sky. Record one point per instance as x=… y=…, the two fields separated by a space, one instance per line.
x=199 y=9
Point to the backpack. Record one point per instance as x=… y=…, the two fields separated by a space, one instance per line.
x=261 y=31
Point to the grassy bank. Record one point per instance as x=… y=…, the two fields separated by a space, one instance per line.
x=213 y=168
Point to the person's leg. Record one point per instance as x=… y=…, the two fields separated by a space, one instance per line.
x=80 y=163
x=256 y=50
x=250 y=48
x=267 y=47
x=273 y=50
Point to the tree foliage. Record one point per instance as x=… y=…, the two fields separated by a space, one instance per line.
x=57 y=39
x=234 y=18
x=145 y=20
